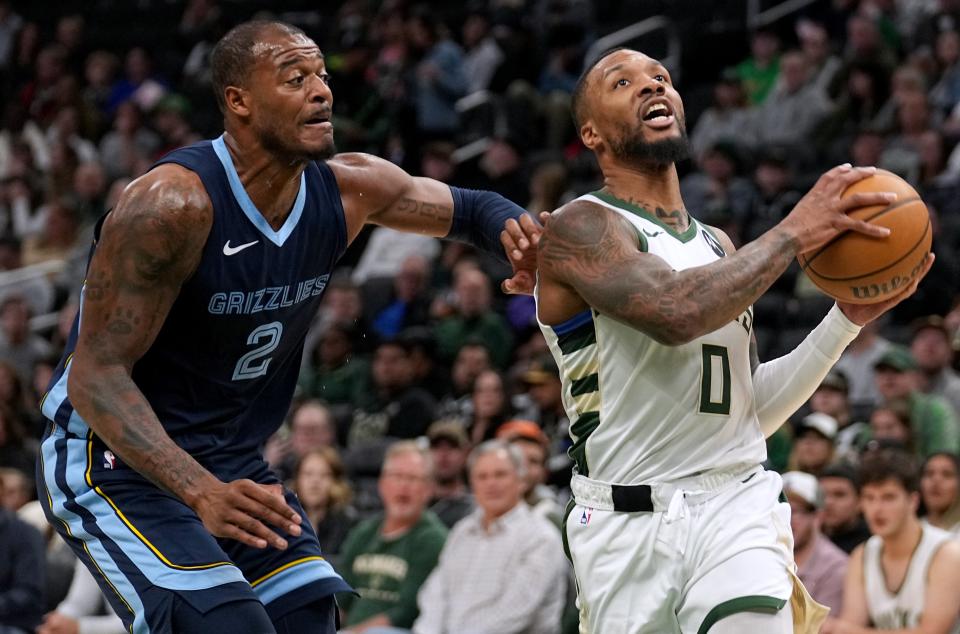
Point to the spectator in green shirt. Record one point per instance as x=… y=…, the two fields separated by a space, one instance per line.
x=475 y=320
x=935 y=426
x=387 y=558
x=759 y=72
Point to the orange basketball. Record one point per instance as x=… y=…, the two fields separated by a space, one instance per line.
x=862 y=270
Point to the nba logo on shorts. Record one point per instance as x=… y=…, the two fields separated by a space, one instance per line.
x=585 y=518
x=109 y=460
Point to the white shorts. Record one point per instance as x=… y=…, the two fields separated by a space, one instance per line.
x=713 y=546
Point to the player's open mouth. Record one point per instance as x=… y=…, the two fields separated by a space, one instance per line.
x=658 y=114
x=319 y=121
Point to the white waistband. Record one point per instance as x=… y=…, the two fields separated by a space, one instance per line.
x=695 y=489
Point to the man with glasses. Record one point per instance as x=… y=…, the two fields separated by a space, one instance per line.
x=388 y=557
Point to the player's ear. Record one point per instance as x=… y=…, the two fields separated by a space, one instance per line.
x=589 y=135
x=237 y=100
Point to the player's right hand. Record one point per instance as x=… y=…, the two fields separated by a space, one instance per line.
x=245 y=510
x=821 y=215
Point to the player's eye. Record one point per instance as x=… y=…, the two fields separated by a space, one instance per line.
x=621 y=82
x=324 y=77
x=295 y=81
x=660 y=77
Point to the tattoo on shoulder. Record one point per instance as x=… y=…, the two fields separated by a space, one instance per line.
x=581 y=242
x=424 y=209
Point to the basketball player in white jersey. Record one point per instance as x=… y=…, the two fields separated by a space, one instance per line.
x=906 y=578
x=675 y=526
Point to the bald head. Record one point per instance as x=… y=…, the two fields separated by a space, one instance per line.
x=236 y=53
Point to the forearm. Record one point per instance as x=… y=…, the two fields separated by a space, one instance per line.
x=781 y=386
x=110 y=402
x=675 y=307
x=479 y=217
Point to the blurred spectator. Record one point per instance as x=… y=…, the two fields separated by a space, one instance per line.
x=861 y=98
x=471 y=361
x=394 y=408
x=10 y=24
x=792 y=111
x=776 y=194
x=21 y=573
x=20 y=347
x=38 y=95
x=940 y=491
x=410 y=301
x=935 y=426
x=323 y=490
x=67 y=127
x=139 y=85
x=932 y=349
x=917 y=559
x=719 y=194
x=336 y=374
x=128 y=143
x=727 y=119
x=387 y=558
x=865 y=42
x=311 y=427
x=857 y=363
x=59 y=558
x=945 y=93
x=361 y=116
x=941 y=15
x=491 y=407
x=428 y=374
x=439 y=77
x=387 y=249
x=171 y=123
x=818 y=52
x=475 y=319
x=820 y=564
x=527 y=436
x=99 y=72
x=547 y=187
x=842 y=521
x=758 y=73
x=564 y=59
x=813 y=446
x=891 y=421
x=90 y=192
x=544 y=389
x=831 y=398
x=502 y=568
x=58 y=238
x=483 y=54
x=18 y=488
x=84 y=610
x=449 y=448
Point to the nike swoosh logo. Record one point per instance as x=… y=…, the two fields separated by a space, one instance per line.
x=229 y=250
x=652 y=235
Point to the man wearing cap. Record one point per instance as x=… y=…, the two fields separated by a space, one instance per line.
x=820 y=564
x=527 y=436
x=831 y=399
x=841 y=519
x=449 y=447
x=542 y=380
x=813 y=447
x=935 y=426
x=933 y=351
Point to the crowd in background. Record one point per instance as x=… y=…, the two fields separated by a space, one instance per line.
x=416 y=359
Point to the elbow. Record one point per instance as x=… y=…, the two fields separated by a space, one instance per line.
x=670 y=334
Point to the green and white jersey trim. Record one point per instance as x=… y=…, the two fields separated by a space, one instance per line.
x=641 y=411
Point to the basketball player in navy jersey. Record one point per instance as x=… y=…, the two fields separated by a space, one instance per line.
x=184 y=356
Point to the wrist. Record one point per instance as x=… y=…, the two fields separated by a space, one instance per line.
x=787 y=238
x=201 y=490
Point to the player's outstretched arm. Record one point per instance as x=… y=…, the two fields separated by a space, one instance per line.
x=378 y=192
x=149 y=244
x=593 y=251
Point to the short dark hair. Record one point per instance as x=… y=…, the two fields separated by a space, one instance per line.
x=889 y=464
x=578 y=100
x=233 y=55
x=842 y=470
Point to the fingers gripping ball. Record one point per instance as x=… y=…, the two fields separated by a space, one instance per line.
x=862 y=270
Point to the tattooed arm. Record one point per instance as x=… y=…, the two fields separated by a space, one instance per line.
x=149 y=245
x=376 y=191
x=590 y=252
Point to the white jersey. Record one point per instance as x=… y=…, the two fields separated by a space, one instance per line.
x=641 y=411
x=902 y=609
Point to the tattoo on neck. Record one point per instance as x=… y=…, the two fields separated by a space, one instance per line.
x=676 y=219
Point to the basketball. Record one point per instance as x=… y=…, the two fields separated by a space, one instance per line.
x=860 y=269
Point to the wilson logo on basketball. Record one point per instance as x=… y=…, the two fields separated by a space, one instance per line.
x=889 y=287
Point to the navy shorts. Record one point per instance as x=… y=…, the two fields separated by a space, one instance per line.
x=145 y=547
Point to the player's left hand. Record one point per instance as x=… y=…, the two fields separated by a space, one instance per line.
x=520 y=240
x=56 y=623
x=862 y=314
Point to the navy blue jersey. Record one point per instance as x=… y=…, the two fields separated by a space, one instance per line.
x=223 y=368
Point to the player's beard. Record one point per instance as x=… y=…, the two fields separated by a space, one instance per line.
x=633 y=148
x=276 y=142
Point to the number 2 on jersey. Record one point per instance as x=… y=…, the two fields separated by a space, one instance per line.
x=247 y=368
x=715 y=381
